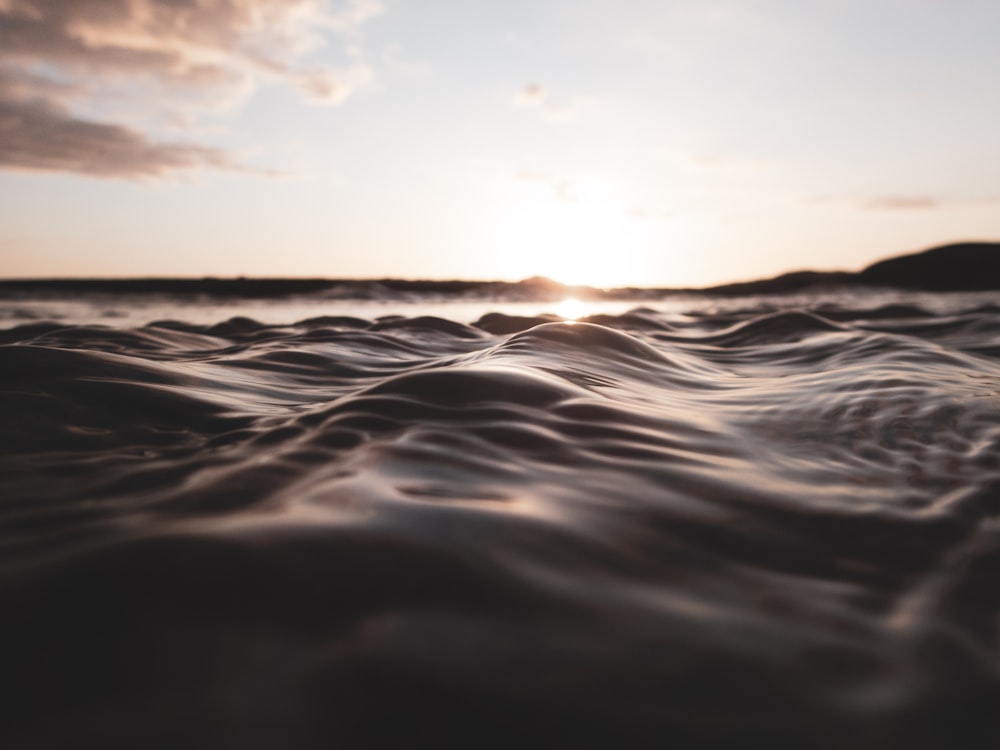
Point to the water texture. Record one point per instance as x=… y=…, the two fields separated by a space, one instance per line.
x=638 y=530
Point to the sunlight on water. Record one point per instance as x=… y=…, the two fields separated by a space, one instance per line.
x=693 y=519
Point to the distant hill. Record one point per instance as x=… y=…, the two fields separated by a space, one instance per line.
x=787 y=283
x=965 y=266
x=959 y=267
x=962 y=267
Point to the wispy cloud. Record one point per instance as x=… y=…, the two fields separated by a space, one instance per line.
x=901 y=203
x=532 y=95
x=907 y=201
x=60 y=59
x=710 y=162
x=536 y=96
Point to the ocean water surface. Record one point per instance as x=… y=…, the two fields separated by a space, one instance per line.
x=413 y=523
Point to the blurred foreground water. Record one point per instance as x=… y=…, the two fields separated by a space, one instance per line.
x=414 y=523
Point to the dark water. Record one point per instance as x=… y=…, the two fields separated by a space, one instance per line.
x=714 y=530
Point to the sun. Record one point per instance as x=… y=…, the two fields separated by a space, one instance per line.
x=571 y=309
x=581 y=235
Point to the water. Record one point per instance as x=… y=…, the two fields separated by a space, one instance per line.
x=702 y=523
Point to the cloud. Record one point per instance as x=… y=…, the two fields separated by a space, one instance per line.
x=531 y=95
x=184 y=40
x=327 y=87
x=536 y=96
x=35 y=135
x=710 y=162
x=60 y=59
x=901 y=202
x=356 y=14
x=906 y=202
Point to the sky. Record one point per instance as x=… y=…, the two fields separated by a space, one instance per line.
x=603 y=142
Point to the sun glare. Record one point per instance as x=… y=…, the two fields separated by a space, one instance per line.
x=581 y=233
x=572 y=309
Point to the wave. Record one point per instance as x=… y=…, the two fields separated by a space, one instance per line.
x=633 y=530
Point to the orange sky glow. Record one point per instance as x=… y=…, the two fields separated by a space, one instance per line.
x=642 y=143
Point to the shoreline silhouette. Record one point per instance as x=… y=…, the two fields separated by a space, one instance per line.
x=964 y=266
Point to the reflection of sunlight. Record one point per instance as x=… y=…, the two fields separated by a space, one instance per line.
x=571 y=309
x=583 y=233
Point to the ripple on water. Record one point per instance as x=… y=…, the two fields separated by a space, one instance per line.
x=625 y=531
